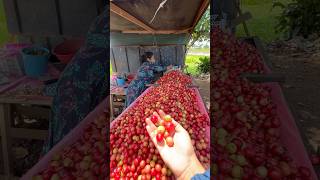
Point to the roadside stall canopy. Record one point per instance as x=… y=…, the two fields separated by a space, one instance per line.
x=160 y=26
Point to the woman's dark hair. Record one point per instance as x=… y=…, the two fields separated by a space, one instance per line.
x=146 y=56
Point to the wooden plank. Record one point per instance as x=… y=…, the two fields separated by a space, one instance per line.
x=133 y=58
x=57 y=7
x=5 y=177
x=33 y=111
x=5 y=138
x=168 y=55
x=23 y=133
x=77 y=16
x=259 y=45
x=38 y=17
x=26 y=101
x=111 y=106
x=183 y=31
x=262 y=78
x=240 y=19
x=120 y=59
x=200 y=12
x=181 y=54
x=114 y=8
x=12 y=16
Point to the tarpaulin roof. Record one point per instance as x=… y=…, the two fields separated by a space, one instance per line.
x=129 y=15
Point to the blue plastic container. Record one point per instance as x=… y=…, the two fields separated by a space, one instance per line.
x=121 y=82
x=35 y=65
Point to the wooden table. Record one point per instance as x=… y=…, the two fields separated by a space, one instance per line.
x=28 y=106
x=116 y=93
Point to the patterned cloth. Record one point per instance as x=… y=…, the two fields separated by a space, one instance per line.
x=82 y=85
x=145 y=75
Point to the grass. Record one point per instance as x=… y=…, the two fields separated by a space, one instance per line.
x=4 y=34
x=192 y=63
x=263 y=20
x=199 y=50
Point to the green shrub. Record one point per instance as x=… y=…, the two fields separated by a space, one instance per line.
x=204 y=64
x=299 y=17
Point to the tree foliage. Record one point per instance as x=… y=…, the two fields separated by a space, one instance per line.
x=201 y=32
x=299 y=17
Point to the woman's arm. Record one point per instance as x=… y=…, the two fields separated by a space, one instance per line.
x=159 y=68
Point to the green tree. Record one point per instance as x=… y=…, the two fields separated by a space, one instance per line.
x=201 y=32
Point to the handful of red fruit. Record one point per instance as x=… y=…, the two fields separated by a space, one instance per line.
x=165 y=130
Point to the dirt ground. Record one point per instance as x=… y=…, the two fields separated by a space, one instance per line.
x=204 y=89
x=302 y=91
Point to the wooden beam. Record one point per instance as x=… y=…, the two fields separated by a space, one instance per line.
x=262 y=78
x=23 y=133
x=200 y=12
x=6 y=140
x=157 y=31
x=117 y=10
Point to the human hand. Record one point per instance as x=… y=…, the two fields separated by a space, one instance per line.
x=181 y=157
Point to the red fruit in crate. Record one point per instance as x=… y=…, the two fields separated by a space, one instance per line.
x=154 y=119
x=275 y=174
x=153 y=172
x=305 y=172
x=158 y=167
x=315 y=160
x=159 y=137
x=136 y=162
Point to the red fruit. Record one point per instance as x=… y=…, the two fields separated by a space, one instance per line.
x=154 y=119
x=169 y=141
x=305 y=172
x=147 y=169
x=315 y=160
x=161 y=129
x=159 y=137
x=136 y=162
x=274 y=174
x=158 y=167
x=166 y=134
x=169 y=127
x=153 y=172
x=142 y=163
x=167 y=118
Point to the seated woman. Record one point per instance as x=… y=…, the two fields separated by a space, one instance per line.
x=145 y=75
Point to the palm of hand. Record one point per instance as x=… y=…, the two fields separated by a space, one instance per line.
x=178 y=156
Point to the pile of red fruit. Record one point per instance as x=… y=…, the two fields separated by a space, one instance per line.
x=85 y=159
x=247 y=129
x=132 y=152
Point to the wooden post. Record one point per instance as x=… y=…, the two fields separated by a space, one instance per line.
x=5 y=139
